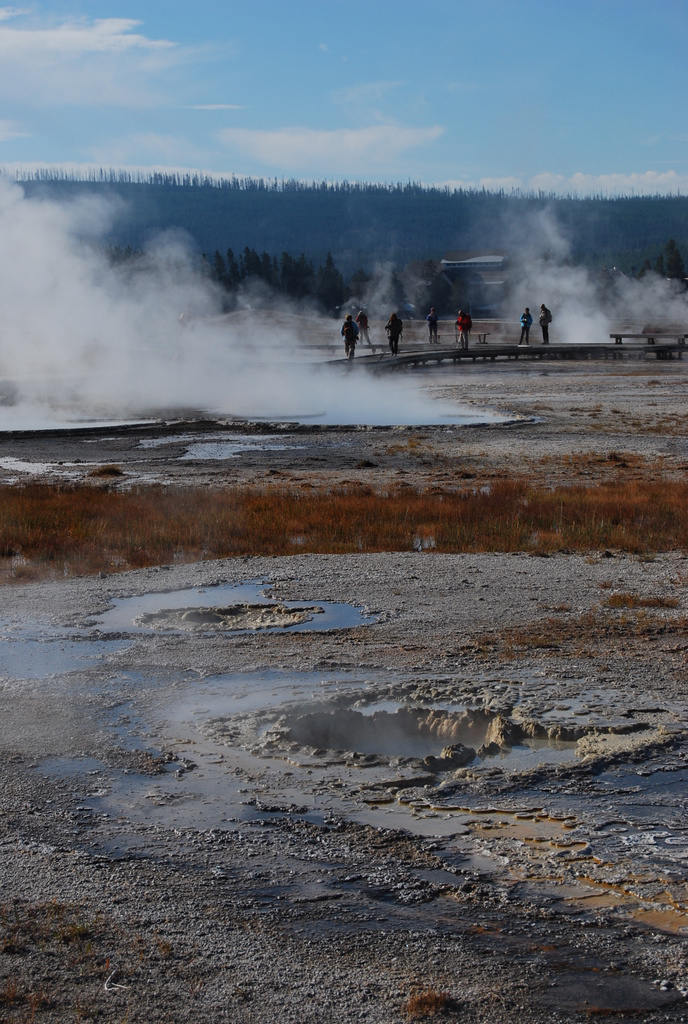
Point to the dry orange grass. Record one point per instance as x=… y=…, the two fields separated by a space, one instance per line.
x=590 y=634
x=47 y=529
x=430 y=1003
x=627 y=600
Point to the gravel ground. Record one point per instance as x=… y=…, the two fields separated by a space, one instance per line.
x=185 y=835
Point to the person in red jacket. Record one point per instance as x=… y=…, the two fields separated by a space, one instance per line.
x=463 y=327
x=362 y=321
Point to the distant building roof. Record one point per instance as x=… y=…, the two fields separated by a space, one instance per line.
x=476 y=259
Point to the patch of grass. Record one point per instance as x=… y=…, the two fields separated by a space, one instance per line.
x=60 y=962
x=583 y=635
x=54 y=530
x=106 y=471
x=636 y=601
x=22 y=926
x=429 y=1003
x=14 y=996
x=414 y=445
x=10 y=993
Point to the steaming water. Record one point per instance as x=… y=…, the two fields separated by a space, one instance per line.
x=285 y=393
x=83 y=341
x=140 y=614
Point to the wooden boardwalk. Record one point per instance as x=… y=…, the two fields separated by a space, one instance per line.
x=426 y=355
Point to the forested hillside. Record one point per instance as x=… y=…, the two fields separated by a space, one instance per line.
x=364 y=224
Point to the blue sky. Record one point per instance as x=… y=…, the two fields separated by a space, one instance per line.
x=555 y=94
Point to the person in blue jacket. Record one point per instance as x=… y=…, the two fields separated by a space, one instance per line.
x=526 y=324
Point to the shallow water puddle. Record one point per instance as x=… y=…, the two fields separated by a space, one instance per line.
x=389 y=751
x=443 y=737
x=223 y=445
x=214 y=771
x=28 y=654
x=227 y=608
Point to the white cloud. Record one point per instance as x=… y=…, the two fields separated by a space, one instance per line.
x=86 y=63
x=637 y=183
x=157 y=147
x=11 y=12
x=214 y=106
x=9 y=130
x=105 y=35
x=365 y=92
x=364 y=102
x=342 y=151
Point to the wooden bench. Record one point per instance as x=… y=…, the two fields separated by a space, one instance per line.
x=650 y=338
x=482 y=337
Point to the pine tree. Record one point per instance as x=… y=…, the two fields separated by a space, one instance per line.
x=233 y=275
x=358 y=281
x=266 y=267
x=303 y=277
x=286 y=277
x=674 y=263
x=219 y=269
x=329 y=286
x=251 y=261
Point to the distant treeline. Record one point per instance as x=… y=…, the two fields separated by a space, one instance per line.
x=296 y=278
x=363 y=224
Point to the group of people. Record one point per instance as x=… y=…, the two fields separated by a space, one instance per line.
x=545 y=319
x=463 y=325
x=352 y=330
x=462 y=328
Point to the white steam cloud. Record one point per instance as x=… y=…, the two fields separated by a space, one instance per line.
x=81 y=339
x=586 y=306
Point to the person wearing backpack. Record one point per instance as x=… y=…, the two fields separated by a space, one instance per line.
x=463 y=327
x=362 y=321
x=394 y=327
x=545 y=320
x=349 y=333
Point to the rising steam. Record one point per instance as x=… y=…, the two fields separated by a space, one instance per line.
x=586 y=306
x=83 y=339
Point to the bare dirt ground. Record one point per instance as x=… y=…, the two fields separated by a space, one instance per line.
x=375 y=787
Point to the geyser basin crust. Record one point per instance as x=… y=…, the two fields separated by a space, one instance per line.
x=234 y=617
x=163 y=752
x=139 y=832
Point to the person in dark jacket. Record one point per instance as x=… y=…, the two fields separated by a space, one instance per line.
x=394 y=327
x=545 y=320
x=432 y=326
x=349 y=333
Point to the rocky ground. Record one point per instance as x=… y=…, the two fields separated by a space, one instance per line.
x=375 y=787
